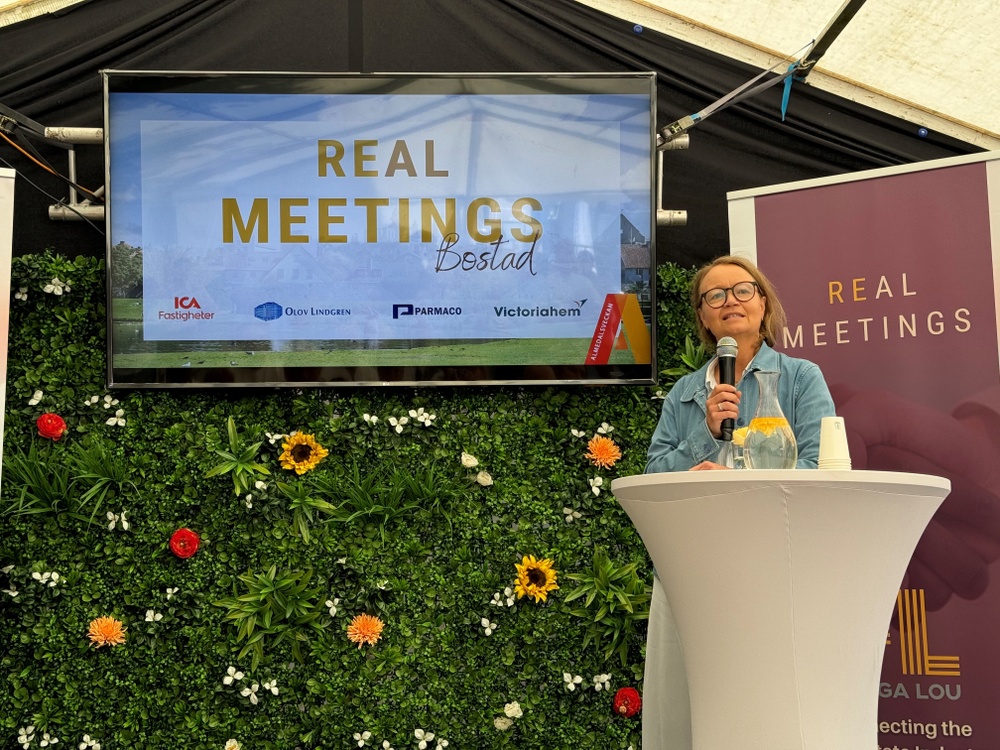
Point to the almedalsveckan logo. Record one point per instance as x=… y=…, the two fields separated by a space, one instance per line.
x=406 y=310
x=273 y=311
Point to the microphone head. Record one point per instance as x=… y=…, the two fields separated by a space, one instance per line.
x=726 y=347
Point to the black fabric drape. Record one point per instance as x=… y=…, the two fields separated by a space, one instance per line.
x=49 y=72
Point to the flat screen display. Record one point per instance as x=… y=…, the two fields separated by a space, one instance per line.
x=269 y=229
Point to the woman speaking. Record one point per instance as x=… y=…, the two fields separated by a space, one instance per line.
x=730 y=297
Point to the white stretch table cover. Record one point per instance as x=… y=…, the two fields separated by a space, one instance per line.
x=782 y=585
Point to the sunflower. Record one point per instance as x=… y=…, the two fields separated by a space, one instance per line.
x=365 y=629
x=106 y=631
x=301 y=453
x=602 y=451
x=535 y=578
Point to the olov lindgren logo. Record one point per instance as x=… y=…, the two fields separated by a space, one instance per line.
x=267 y=311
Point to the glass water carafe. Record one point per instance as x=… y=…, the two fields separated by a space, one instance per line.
x=770 y=442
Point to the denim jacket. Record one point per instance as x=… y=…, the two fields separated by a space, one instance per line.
x=682 y=438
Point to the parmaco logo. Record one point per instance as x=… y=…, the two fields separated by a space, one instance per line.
x=400 y=311
x=267 y=311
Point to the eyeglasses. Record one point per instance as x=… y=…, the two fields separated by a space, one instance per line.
x=743 y=292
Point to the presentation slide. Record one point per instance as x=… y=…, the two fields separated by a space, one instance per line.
x=261 y=222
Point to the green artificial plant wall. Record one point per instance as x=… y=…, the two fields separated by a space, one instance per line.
x=394 y=523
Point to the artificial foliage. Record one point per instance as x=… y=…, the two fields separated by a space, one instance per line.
x=405 y=534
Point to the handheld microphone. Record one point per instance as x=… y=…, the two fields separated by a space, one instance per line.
x=726 y=350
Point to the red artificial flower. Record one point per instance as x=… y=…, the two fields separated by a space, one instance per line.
x=184 y=543
x=627 y=702
x=51 y=426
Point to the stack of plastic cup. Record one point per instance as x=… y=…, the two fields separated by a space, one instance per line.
x=833 y=452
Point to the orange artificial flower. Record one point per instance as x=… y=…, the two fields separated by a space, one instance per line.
x=602 y=451
x=106 y=631
x=365 y=629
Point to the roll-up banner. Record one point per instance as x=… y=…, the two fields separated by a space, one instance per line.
x=889 y=280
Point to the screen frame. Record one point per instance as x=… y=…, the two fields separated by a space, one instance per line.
x=223 y=82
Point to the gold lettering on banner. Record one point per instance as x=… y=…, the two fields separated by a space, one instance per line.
x=835 y=289
x=914 y=639
x=330 y=155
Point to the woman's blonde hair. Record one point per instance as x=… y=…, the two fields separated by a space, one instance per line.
x=774 y=314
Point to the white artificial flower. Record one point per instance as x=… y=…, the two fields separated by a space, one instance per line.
x=35 y=398
x=571 y=515
x=502 y=723
x=605 y=428
x=341 y=561
x=92 y=400
x=513 y=710
x=171 y=592
x=423 y=738
x=56 y=287
x=12 y=592
x=6 y=569
x=398 y=423
x=488 y=627
x=260 y=485
x=152 y=616
x=109 y=402
x=21 y=293
x=274 y=437
x=47 y=740
x=370 y=418
x=659 y=395
x=272 y=686
x=602 y=682
x=118 y=419
x=469 y=461
x=386 y=745
x=442 y=744
x=484 y=479
x=248 y=500
x=422 y=416
x=232 y=674
x=116 y=518
x=507 y=597
x=577 y=433
x=87 y=742
x=251 y=693
x=332 y=606
x=595 y=484
x=571 y=681
x=232 y=745
x=362 y=738
x=48 y=578
x=25 y=735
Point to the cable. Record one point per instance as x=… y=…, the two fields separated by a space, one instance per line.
x=53 y=198
x=50 y=170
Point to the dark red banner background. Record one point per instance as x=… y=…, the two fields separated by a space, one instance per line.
x=888 y=285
